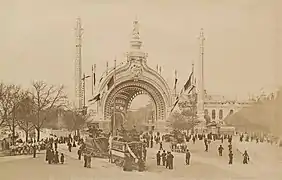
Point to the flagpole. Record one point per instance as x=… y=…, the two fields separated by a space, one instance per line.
x=107 y=67
x=114 y=115
x=175 y=83
x=92 y=80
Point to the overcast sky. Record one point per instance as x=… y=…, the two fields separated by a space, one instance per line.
x=242 y=48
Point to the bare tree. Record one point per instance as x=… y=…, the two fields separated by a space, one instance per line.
x=25 y=115
x=3 y=111
x=9 y=102
x=45 y=97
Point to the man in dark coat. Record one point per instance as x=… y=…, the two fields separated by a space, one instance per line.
x=188 y=156
x=69 y=146
x=220 y=149
x=158 y=158
x=85 y=160
x=50 y=156
x=47 y=154
x=34 y=151
x=152 y=141
x=230 y=147
x=230 y=157
x=246 y=158
x=79 y=153
x=161 y=145
x=164 y=158
x=62 y=158
x=170 y=160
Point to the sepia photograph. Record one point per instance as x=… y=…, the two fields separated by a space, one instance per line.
x=141 y=89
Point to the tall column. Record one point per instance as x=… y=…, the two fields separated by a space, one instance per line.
x=200 y=81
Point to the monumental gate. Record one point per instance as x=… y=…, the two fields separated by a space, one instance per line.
x=120 y=85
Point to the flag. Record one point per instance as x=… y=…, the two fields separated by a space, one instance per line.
x=157 y=68
x=191 y=89
x=176 y=102
x=175 y=81
x=188 y=83
x=94 y=75
x=96 y=98
x=111 y=82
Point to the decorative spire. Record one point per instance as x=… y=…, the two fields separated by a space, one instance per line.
x=135 y=39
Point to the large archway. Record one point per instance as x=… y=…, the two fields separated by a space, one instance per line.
x=124 y=94
x=121 y=84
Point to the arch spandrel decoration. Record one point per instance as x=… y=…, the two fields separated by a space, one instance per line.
x=134 y=78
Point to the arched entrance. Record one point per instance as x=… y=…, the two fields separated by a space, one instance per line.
x=124 y=82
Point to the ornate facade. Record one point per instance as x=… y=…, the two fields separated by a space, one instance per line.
x=125 y=81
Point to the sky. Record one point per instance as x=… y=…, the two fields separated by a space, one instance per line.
x=242 y=47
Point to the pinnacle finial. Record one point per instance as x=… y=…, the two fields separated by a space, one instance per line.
x=202 y=33
x=135 y=40
x=135 y=32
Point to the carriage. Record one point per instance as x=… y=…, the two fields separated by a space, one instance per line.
x=97 y=147
x=133 y=151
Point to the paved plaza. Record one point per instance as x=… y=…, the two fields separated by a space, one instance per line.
x=204 y=165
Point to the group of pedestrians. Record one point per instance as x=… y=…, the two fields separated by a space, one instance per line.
x=52 y=154
x=166 y=158
x=52 y=157
x=246 y=158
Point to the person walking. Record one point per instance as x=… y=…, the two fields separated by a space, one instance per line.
x=246 y=157
x=220 y=149
x=79 y=153
x=188 y=156
x=62 y=158
x=161 y=145
x=230 y=157
x=158 y=158
x=85 y=160
x=170 y=160
x=164 y=158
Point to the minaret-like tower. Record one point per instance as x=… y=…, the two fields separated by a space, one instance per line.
x=78 y=66
x=200 y=80
x=135 y=52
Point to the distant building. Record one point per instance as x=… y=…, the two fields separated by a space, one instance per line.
x=217 y=107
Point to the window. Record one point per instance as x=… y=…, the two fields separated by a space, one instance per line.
x=220 y=114
x=213 y=114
